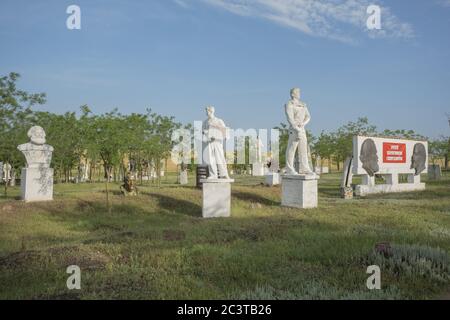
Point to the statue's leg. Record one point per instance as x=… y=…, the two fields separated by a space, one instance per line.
x=290 y=153
x=221 y=161
x=212 y=161
x=303 y=155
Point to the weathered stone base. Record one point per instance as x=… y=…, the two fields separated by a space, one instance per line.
x=37 y=184
x=391 y=186
x=258 y=169
x=216 y=198
x=273 y=179
x=299 y=191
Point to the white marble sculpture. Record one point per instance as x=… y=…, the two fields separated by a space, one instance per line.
x=298 y=117
x=6 y=172
x=217 y=187
x=299 y=189
x=214 y=133
x=37 y=177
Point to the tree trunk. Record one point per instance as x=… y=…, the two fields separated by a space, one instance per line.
x=107 y=191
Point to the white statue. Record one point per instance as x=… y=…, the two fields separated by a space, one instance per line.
x=6 y=172
x=37 y=153
x=37 y=178
x=298 y=117
x=214 y=133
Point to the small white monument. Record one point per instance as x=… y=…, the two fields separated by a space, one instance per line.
x=258 y=167
x=6 y=172
x=389 y=158
x=273 y=176
x=37 y=177
x=299 y=189
x=217 y=187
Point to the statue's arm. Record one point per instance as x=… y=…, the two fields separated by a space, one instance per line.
x=290 y=116
x=205 y=131
x=307 y=116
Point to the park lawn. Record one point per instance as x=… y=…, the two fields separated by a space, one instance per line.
x=157 y=246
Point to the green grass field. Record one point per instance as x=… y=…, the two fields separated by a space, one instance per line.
x=157 y=246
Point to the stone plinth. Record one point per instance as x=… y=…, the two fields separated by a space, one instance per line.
x=216 y=197
x=258 y=169
x=392 y=184
x=37 y=184
x=273 y=179
x=299 y=191
x=183 y=177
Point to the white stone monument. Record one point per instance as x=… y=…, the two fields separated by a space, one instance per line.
x=388 y=158
x=217 y=187
x=37 y=177
x=6 y=172
x=299 y=189
x=258 y=168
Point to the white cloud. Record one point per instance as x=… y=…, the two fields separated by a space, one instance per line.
x=181 y=3
x=445 y=3
x=323 y=18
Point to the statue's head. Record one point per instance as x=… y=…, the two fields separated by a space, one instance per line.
x=210 y=111
x=37 y=135
x=419 y=158
x=369 y=157
x=295 y=93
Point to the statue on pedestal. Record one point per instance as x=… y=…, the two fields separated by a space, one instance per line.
x=37 y=177
x=214 y=133
x=298 y=117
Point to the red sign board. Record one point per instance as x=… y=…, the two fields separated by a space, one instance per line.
x=394 y=152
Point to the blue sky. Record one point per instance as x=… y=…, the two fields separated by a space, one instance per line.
x=177 y=56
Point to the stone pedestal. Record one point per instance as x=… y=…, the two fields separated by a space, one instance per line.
x=273 y=179
x=202 y=173
x=391 y=184
x=216 y=197
x=258 y=169
x=300 y=191
x=37 y=184
x=183 y=177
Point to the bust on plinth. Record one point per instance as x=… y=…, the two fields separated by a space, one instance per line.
x=37 y=177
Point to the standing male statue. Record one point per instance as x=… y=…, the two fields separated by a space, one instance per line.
x=298 y=117
x=215 y=132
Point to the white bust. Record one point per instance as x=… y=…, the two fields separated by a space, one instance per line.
x=37 y=153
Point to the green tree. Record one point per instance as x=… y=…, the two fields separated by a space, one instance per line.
x=15 y=119
x=343 y=137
